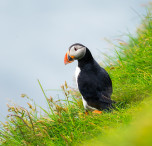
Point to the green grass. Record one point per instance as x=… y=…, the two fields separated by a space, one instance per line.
x=136 y=133
x=64 y=122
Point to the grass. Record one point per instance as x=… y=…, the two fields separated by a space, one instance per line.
x=136 y=133
x=64 y=122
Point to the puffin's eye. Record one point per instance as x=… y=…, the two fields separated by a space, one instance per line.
x=75 y=49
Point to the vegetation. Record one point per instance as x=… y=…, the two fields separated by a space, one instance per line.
x=64 y=122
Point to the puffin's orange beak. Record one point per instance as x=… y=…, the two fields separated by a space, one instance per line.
x=68 y=58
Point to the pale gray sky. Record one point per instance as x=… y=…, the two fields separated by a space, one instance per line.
x=35 y=35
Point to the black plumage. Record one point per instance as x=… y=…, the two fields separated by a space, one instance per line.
x=94 y=83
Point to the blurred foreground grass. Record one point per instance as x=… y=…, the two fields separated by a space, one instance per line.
x=137 y=133
x=64 y=122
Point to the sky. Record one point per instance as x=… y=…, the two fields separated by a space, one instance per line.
x=35 y=35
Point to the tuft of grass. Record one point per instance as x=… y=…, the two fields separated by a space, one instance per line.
x=131 y=73
x=64 y=122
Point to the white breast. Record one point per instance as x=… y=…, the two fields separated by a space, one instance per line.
x=77 y=71
x=86 y=106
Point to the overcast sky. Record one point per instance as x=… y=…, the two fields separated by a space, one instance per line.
x=35 y=35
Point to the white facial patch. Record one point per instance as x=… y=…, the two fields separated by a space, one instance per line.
x=78 y=52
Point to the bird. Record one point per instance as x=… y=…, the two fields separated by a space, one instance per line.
x=93 y=82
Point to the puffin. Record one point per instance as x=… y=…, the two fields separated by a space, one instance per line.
x=93 y=82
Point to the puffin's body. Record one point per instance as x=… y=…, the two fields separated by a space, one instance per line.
x=92 y=80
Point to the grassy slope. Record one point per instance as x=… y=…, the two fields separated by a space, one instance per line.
x=132 y=79
x=136 y=133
